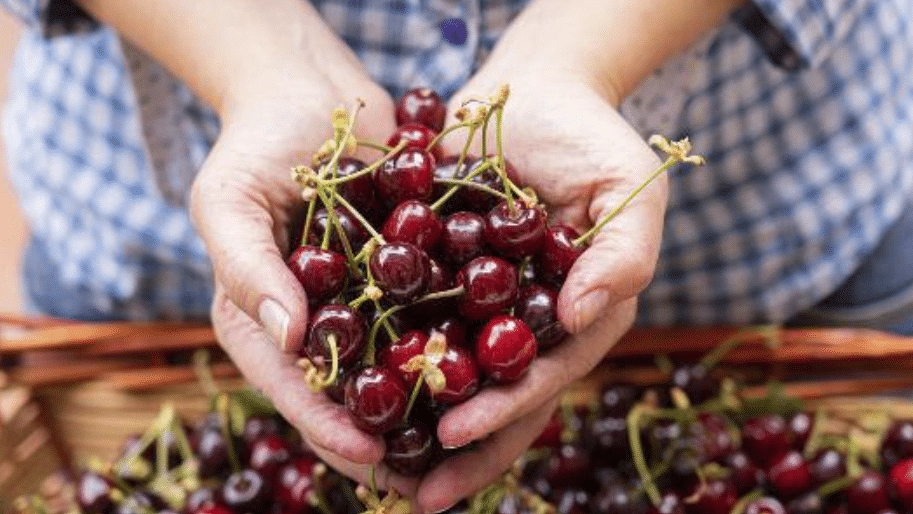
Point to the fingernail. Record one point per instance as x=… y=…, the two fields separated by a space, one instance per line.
x=275 y=320
x=589 y=307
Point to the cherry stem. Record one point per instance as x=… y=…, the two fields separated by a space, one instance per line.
x=501 y=167
x=334 y=360
x=312 y=207
x=670 y=162
x=361 y=219
x=317 y=501
x=437 y=139
x=369 y=168
x=161 y=456
x=814 y=437
x=453 y=189
x=371 y=349
x=222 y=407
x=837 y=484
x=413 y=396
x=446 y=293
x=373 y=145
x=637 y=454
x=204 y=374
x=484 y=146
x=341 y=142
x=743 y=502
x=474 y=185
x=372 y=482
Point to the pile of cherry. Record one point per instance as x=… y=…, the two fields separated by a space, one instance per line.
x=428 y=276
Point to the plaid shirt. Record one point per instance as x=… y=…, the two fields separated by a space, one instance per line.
x=802 y=108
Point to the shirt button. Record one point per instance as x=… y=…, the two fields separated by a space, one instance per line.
x=454 y=31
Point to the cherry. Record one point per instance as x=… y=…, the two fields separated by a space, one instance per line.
x=808 y=503
x=800 y=428
x=718 y=441
x=441 y=280
x=411 y=450
x=491 y=287
x=339 y=322
x=537 y=306
x=322 y=273
x=572 y=501
x=355 y=232
x=827 y=464
x=396 y=320
x=868 y=494
x=140 y=502
x=550 y=437
x=745 y=475
x=93 y=493
x=409 y=176
x=719 y=497
x=337 y=389
x=618 y=398
x=376 y=399
x=569 y=466
x=790 y=475
x=208 y=509
x=246 y=491
x=421 y=105
x=203 y=497
x=559 y=253
x=898 y=442
x=358 y=191
x=618 y=499
x=462 y=238
x=452 y=328
x=399 y=352
x=515 y=233
x=764 y=438
x=477 y=200
x=609 y=439
x=765 y=505
x=462 y=376
x=401 y=270
x=447 y=169
x=529 y=274
x=900 y=484
x=256 y=427
x=505 y=348
x=670 y=503
x=697 y=382
x=209 y=445
x=296 y=481
x=417 y=137
x=268 y=454
x=413 y=222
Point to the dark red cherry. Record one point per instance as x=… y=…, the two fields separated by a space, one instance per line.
x=258 y=426
x=355 y=232
x=339 y=322
x=809 y=503
x=421 y=105
x=462 y=238
x=408 y=176
x=550 y=437
x=618 y=398
x=93 y=493
x=719 y=497
x=800 y=428
x=765 y=505
x=718 y=441
x=898 y=442
x=569 y=466
x=828 y=464
x=322 y=273
x=608 y=436
x=491 y=287
x=618 y=498
x=210 y=447
x=447 y=169
x=204 y=497
x=401 y=351
x=441 y=280
x=764 y=438
x=296 y=483
x=790 y=475
x=477 y=200
x=669 y=503
x=411 y=450
x=868 y=494
x=900 y=484
x=417 y=137
x=358 y=191
x=413 y=222
x=401 y=270
x=537 y=306
x=697 y=382
x=461 y=374
x=515 y=233
x=452 y=328
x=140 y=502
x=268 y=454
x=376 y=399
x=559 y=253
x=573 y=500
x=505 y=347
x=246 y=491
x=337 y=390
x=207 y=509
x=745 y=474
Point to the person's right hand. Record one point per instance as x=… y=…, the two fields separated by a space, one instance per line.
x=244 y=204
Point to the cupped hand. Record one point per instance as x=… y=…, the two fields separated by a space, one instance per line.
x=245 y=205
x=569 y=143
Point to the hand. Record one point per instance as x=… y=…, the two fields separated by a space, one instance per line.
x=245 y=205
x=567 y=142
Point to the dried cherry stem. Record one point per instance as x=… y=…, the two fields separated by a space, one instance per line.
x=678 y=153
x=413 y=396
x=743 y=502
x=334 y=361
x=361 y=219
x=474 y=185
x=369 y=168
x=371 y=144
x=222 y=409
x=453 y=189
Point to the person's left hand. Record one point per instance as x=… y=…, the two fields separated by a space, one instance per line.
x=568 y=142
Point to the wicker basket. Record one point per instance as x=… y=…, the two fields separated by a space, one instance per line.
x=96 y=384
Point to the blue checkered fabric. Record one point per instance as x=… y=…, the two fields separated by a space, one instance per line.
x=801 y=106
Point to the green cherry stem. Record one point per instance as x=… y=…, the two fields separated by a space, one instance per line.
x=367 y=169
x=312 y=207
x=456 y=126
x=371 y=144
x=222 y=408
x=334 y=361
x=413 y=396
x=501 y=167
x=382 y=320
x=361 y=219
x=637 y=454
x=473 y=185
x=453 y=189
x=837 y=484
x=742 y=504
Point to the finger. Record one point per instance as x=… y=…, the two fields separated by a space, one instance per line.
x=445 y=485
x=384 y=477
x=496 y=407
x=622 y=258
x=323 y=423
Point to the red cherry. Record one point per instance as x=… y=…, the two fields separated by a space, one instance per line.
x=617 y=399
x=376 y=399
x=809 y=503
x=409 y=176
x=411 y=450
x=618 y=498
x=790 y=475
x=417 y=137
x=718 y=441
x=537 y=306
x=559 y=253
x=358 y=191
x=296 y=483
x=670 y=503
x=401 y=270
x=900 y=484
x=413 y=222
x=516 y=234
x=399 y=352
x=452 y=328
x=766 y=505
x=268 y=454
x=764 y=438
x=609 y=440
x=504 y=348
x=827 y=464
x=898 y=442
x=355 y=232
x=441 y=280
x=246 y=491
x=343 y=323
x=337 y=390
x=421 y=105
x=719 y=497
x=209 y=444
x=461 y=374
x=322 y=273
x=490 y=287
x=258 y=426
x=800 y=428
x=868 y=494
x=93 y=493
x=697 y=382
x=745 y=475
x=477 y=200
x=204 y=497
x=209 y=509
x=447 y=169
x=551 y=434
x=462 y=238
x=568 y=466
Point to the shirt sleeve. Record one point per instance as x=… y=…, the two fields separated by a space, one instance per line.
x=798 y=34
x=50 y=17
